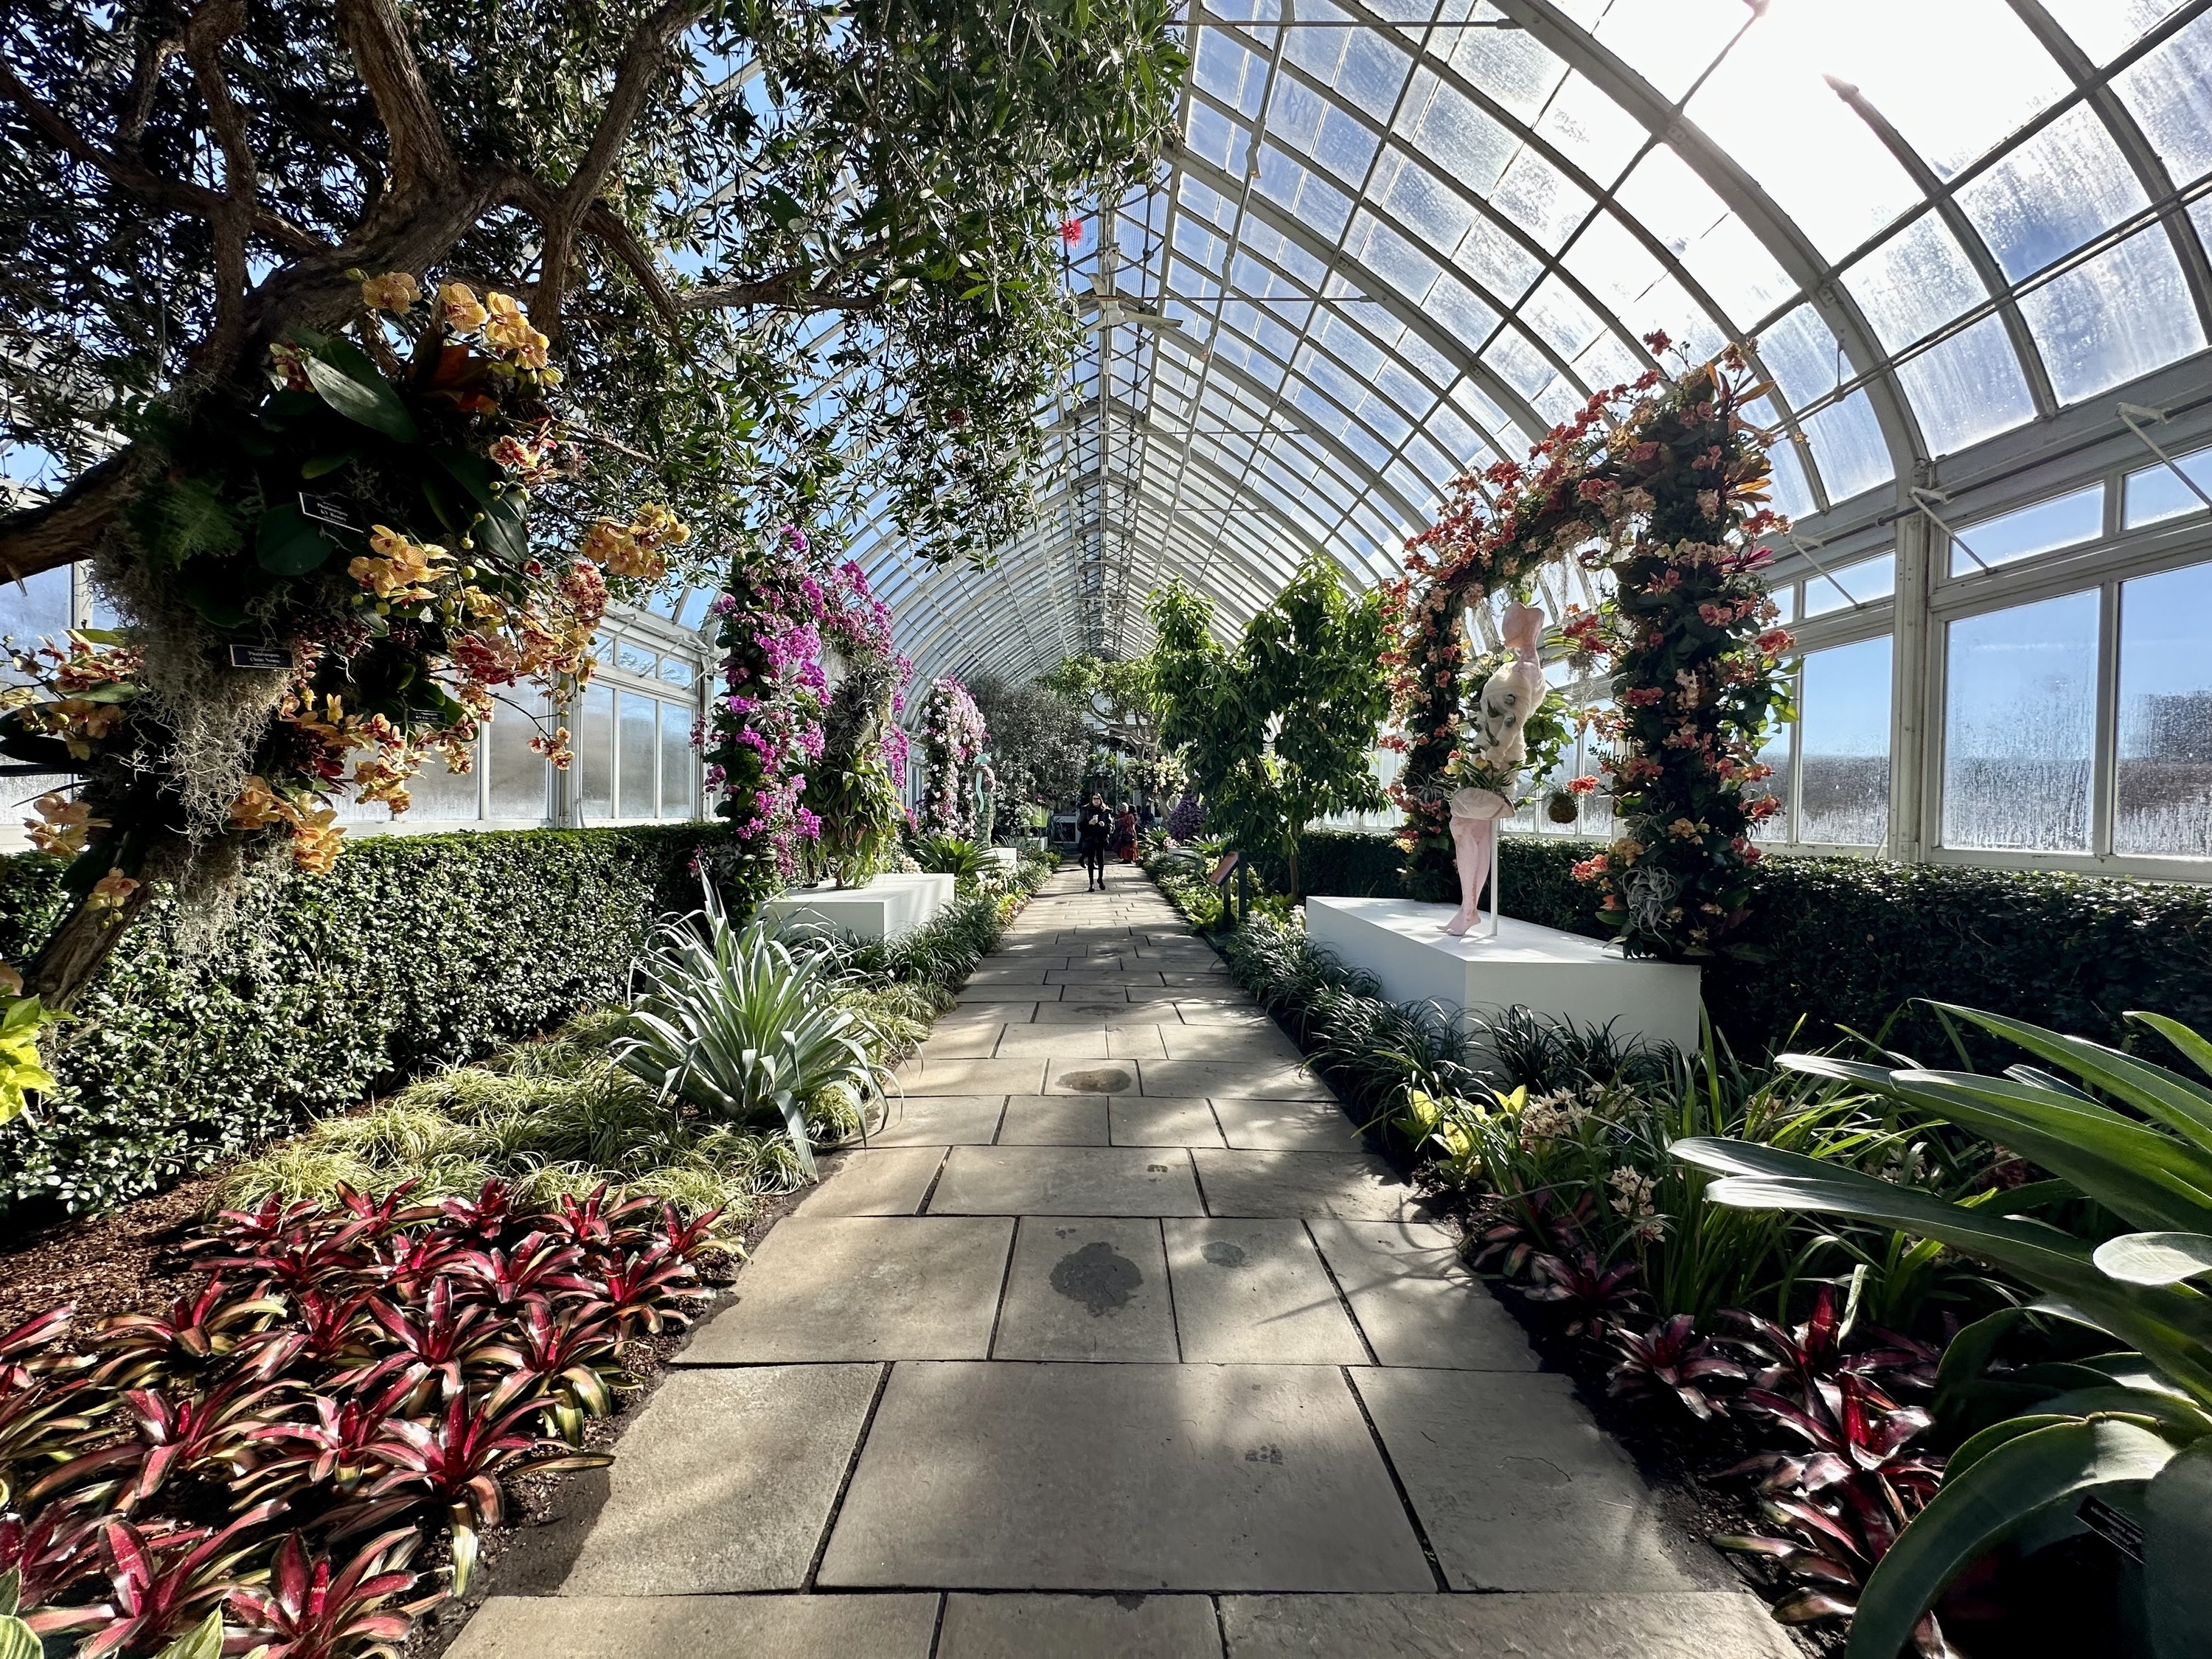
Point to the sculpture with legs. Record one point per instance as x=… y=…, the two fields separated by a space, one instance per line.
x=1509 y=697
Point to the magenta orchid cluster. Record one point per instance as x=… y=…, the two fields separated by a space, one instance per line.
x=953 y=738
x=785 y=606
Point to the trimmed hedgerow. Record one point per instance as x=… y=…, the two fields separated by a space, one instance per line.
x=196 y=1043
x=1847 y=942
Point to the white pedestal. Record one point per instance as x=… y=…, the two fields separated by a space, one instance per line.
x=886 y=908
x=1001 y=861
x=1540 y=969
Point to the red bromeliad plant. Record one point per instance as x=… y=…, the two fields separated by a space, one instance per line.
x=382 y=1364
x=1662 y=484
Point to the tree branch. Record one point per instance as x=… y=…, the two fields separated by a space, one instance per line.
x=782 y=291
x=134 y=177
x=67 y=528
x=145 y=86
x=213 y=24
x=423 y=159
x=603 y=222
x=642 y=62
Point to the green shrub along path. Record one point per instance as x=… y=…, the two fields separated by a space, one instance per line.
x=199 y=1040
x=1115 y=1340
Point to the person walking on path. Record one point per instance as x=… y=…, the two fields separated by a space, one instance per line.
x=1125 y=834
x=1093 y=825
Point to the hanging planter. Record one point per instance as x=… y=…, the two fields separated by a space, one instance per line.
x=326 y=585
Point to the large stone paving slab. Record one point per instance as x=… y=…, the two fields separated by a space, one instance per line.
x=910 y=1288
x=1054 y=1121
x=1520 y=1489
x=890 y=1180
x=1231 y=1045
x=724 y=1481
x=1251 y=1082
x=1024 y=1076
x=1094 y=1290
x=1079 y=1627
x=1065 y=1180
x=1255 y=1291
x=1098 y=1012
x=1287 y=1125
x=1055 y=1042
x=700 y=1627
x=1346 y=1185
x=1133 y=1478
x=1712 y=1625
x=1416 y=1301
x=1141 y=1121
x=940 y=1121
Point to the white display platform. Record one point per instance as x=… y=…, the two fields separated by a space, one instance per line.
x=1527 y=966
x=887 y=907
x=1003 y=860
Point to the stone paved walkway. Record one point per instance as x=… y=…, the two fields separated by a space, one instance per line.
x=1113 y=1343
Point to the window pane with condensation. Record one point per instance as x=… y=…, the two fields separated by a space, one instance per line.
x=2115 y=318
x=679 y=764
x=2169 y=93
x=2020 y=721
x=595 y=755
x=1967 y=387
x=2163 y=778
x=1843 y=797
x=2104 y=28
x=2154 y=495
x=2063 y=521
x=518 y=772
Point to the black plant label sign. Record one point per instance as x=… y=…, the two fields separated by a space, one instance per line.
x=2117 y=1528
x=259 y=656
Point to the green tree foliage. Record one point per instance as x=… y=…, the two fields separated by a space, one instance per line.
x=1280 y=729
x=1038 y=739
x=685 y=193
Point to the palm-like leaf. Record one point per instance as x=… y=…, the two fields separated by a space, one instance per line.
x=731 y=1023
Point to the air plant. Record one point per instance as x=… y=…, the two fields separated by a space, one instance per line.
x=1672 y=1356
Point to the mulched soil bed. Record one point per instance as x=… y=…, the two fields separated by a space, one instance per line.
x=121 y=1262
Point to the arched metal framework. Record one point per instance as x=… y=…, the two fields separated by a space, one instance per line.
x=1395 y=242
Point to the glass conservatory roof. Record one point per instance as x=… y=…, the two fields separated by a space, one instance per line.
x=1388 y=246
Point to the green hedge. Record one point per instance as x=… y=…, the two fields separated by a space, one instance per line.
x=196 y=1043
x=1847 y=942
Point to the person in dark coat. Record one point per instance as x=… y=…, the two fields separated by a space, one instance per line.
x=1094 y=828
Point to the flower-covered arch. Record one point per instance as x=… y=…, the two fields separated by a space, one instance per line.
x=1662 y=483
x=953 y=738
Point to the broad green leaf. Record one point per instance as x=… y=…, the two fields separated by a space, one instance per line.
x=202 y=1641
x=17 y=1640
x=2196 y=1048
x=1974 y=1511
x=287 y=544
x=2178 y=1556
x=2155 y=1258
x=2174 y=1100
x=359 y=391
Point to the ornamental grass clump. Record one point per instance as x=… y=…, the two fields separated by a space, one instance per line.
x=259 y=1465
x=733 y=1025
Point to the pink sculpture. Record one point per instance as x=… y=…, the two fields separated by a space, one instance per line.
x=1491 y=771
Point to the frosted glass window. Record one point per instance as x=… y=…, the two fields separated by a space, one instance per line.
x=1915 y=282
x=1843 y=795
x=635 y=660
x=675 y=672
x=2060 y=189
x=2019 y=723
x=1768 y=106
x=1862 y=583
x=1451 y=130
x=679 y=766
x=440 y=795
x=1540 y=199
x=1774 y=754
x=637 y=742
x=2155 y=494
x=1511 y=65
x=1594 y=133
x=594 y=743
x=2163 y=779
x=1802 y=355
x=1967 y=388
x=518 y=773
x=2104 y=28
x=2114 y=318
x=37 y=607
x=1849 y=447
x=2170 y=94
x=1791 y=494
x=1230 y=73
x=2064 y=522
